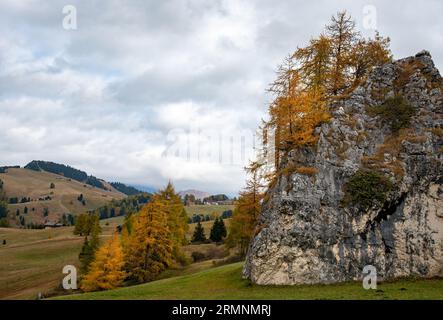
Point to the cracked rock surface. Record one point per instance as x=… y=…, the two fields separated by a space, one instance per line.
x=309 y=236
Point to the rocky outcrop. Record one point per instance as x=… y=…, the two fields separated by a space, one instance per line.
x=309 y=234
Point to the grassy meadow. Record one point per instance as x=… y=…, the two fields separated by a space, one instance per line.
x=225 y=282
x=207 y=209
x=32 y=260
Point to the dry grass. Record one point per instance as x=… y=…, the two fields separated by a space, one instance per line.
x=407 y=69
x=27 y=183
x=437 y=131
x=32 y=260
x=211 y=210
x=392 y=147
x=309 y=171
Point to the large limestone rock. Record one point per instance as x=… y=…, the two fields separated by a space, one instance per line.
x=307 y=235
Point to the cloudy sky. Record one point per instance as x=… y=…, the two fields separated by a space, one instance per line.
x=146 y=91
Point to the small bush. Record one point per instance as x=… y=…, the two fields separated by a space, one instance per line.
x=365 y=188
x=396 y=111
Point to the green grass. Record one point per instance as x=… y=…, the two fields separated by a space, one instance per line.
x=225 y=282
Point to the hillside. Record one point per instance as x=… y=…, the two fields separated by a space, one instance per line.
x=207 y=209
x=32 y=260
x=62 y=199
x=225 y=282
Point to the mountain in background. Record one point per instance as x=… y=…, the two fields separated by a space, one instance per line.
x=196 y=193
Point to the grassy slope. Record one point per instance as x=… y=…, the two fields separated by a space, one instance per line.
x=212 y=210
x=32 y=260
x=225 y=283
x=207 y=225
x=28 y=183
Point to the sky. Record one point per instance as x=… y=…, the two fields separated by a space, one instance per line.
x=144 y=92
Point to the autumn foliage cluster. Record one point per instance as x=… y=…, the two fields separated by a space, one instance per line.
x=329 y=67
x=150 y=242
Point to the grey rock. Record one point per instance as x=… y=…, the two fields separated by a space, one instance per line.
x=309 y=236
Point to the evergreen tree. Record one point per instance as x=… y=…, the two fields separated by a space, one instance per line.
x=90 y=244
x=3 y=209
x=218 y=230
x=199 y=233
x=106 y=271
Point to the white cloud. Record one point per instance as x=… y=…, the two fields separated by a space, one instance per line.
x=105 y=96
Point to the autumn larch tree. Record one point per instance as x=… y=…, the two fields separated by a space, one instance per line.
x=106 y=271
x=177 y=219
x=149 y=250
x=247 y=208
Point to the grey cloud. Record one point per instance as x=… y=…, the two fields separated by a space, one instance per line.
x=96 y=97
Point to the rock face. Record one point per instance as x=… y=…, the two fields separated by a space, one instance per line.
x=308 y=235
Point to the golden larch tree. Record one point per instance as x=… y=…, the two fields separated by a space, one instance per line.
x=149 y=250
x=106 y=271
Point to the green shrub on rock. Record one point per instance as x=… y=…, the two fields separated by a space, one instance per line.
x=366 y=188
x=395 y=111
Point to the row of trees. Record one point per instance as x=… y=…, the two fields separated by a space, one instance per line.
x=151 y=241
x=218 y=231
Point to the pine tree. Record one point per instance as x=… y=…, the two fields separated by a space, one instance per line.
x=3 y=209
x=150 y=247
x=90 y=244
x=199 y=233
x=218 y=230
x=106 y=270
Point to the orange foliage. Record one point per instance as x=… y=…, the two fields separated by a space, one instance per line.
x=106 y=271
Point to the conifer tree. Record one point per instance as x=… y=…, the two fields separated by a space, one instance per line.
x=106 y=270
x=199 y=233
x=90 y=244
x=218 y=230
x=247 y=208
